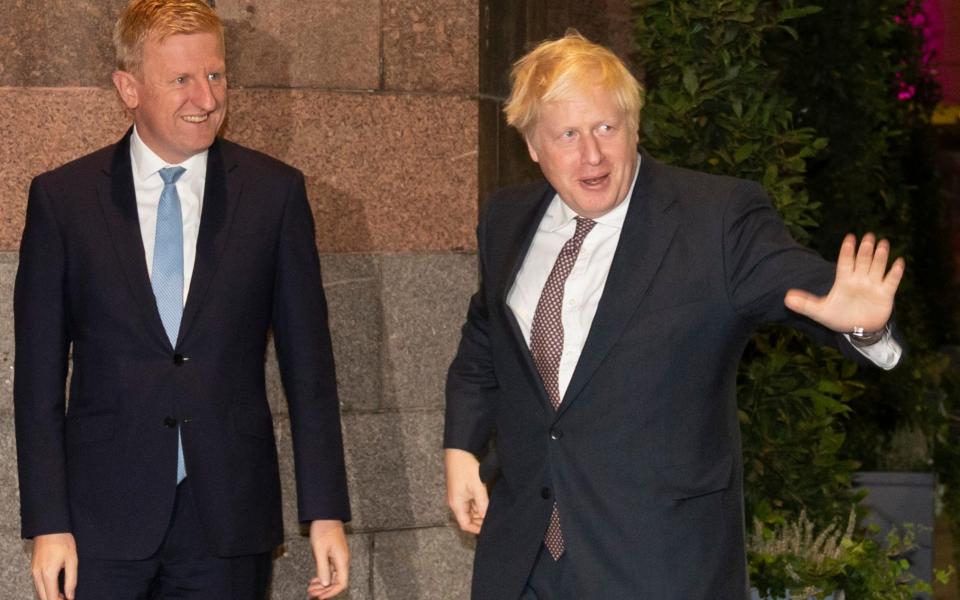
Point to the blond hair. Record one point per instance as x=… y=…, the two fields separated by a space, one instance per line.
x=143 y=19
x=555 y=69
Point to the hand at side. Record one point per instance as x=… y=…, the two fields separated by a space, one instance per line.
x=53 y=553
x=332 y=554
x=466 y=494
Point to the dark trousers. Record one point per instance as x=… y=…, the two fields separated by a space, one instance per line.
x=547 y=579
x=181 y=569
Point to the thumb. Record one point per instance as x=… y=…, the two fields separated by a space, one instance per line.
x=481 y=500
x=70 y=578
x=802 y=302
x=323 y=567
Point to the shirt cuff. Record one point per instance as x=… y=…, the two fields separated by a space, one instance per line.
x=885 y=353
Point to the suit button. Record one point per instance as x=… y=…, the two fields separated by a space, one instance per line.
x=178 y=359
x=546 y=493
x=169 y=422
x=555 y=433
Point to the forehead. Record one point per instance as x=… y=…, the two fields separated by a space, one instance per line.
x=578 y=104
x=182 y=50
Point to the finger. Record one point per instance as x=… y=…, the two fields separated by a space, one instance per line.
x=462 y=513
x=481 y=500
x=323 y=566
x=478 y=509
x=465 y=517
x=341 y=566
x=865 y=254
x=460 y=506
x=847 y=252
x=70 y=578
x=878 y=266
x=802 y=302
x=38 y=585
x=50 y=588
x=316 y=589
x=892 y=281
x=333 y=590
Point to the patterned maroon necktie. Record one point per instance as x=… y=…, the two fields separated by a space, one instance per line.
x=546 y=345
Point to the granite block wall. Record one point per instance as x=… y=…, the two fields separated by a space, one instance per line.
x=382 y=104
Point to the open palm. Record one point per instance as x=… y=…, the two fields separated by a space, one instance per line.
x=862 y=293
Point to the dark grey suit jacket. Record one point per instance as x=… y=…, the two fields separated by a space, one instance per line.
x=643 y=456
x=105 y=469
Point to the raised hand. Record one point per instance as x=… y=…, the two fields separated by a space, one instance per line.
x=862 y=293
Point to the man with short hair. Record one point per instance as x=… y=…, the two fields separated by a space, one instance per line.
x=157 y=265
x=601 y=350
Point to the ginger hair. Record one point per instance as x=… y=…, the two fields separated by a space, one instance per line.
x=556 y=68
x=145 y=19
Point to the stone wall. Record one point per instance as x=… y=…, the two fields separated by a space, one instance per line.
x=379 y=102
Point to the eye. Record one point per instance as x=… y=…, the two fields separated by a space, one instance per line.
x=568 y=134
x=215 y=76
x=605 y=128
x=180 y=80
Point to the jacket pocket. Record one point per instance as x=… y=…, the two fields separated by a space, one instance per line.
x=90 y=428
x=680 y=482
x=253 y=422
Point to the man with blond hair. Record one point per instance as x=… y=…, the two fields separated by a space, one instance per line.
x=157 y=266
x=601 y=350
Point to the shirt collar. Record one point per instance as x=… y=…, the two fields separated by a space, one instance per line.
x=146 y=162
x=558 y=214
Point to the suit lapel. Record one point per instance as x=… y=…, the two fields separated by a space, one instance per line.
x=515 y=254
x=508 y=259
x=118 y=201
x=220 y=196
x=648 y=229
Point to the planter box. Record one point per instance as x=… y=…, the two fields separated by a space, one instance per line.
x=896 y=499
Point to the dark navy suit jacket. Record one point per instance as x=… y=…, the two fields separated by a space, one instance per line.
x=104 y=467
x=643 y=457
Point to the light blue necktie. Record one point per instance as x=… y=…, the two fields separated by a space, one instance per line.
x=167 y=277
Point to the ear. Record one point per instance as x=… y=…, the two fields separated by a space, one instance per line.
x=127 y=87
x=531 y=148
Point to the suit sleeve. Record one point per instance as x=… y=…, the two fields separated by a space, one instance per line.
x=305 y=356
x=40 y=370
x=762 y=261
x=471 y=380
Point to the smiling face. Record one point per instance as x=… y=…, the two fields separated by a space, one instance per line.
x=179 y=98
x=586 y=150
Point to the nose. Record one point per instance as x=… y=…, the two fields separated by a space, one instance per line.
x=591 y=153
x=203 y=96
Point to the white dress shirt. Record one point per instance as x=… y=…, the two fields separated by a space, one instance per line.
x=584 y=286
x=148 y=187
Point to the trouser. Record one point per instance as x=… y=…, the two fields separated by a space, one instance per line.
x=548 y=578
x=181 y=569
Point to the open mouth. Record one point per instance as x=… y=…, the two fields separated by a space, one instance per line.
x=195 y=118
x=595 y=181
